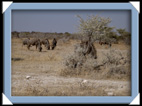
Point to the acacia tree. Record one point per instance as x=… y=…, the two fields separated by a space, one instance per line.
x=124 y=35
x=121 y=31
x=95 y=27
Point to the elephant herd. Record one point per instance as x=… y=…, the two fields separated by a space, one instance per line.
x=39 y=42
x=86 y=45
x=105 y=43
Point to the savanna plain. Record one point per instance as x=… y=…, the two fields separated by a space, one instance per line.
x=47 y=73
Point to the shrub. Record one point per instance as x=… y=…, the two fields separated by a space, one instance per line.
x=74 y=60
x=113 y=57
x=115 y=63
x=78 y=64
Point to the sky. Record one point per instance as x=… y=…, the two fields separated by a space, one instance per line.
x=61 y=21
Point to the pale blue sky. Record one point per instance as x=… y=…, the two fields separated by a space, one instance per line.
x=64 y=20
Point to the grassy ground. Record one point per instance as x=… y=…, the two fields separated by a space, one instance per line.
x=45 y=68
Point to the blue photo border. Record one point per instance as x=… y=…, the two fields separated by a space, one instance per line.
x=71 y=99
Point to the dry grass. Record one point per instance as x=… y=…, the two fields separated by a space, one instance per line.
x=112 y=64
x=50 y=76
